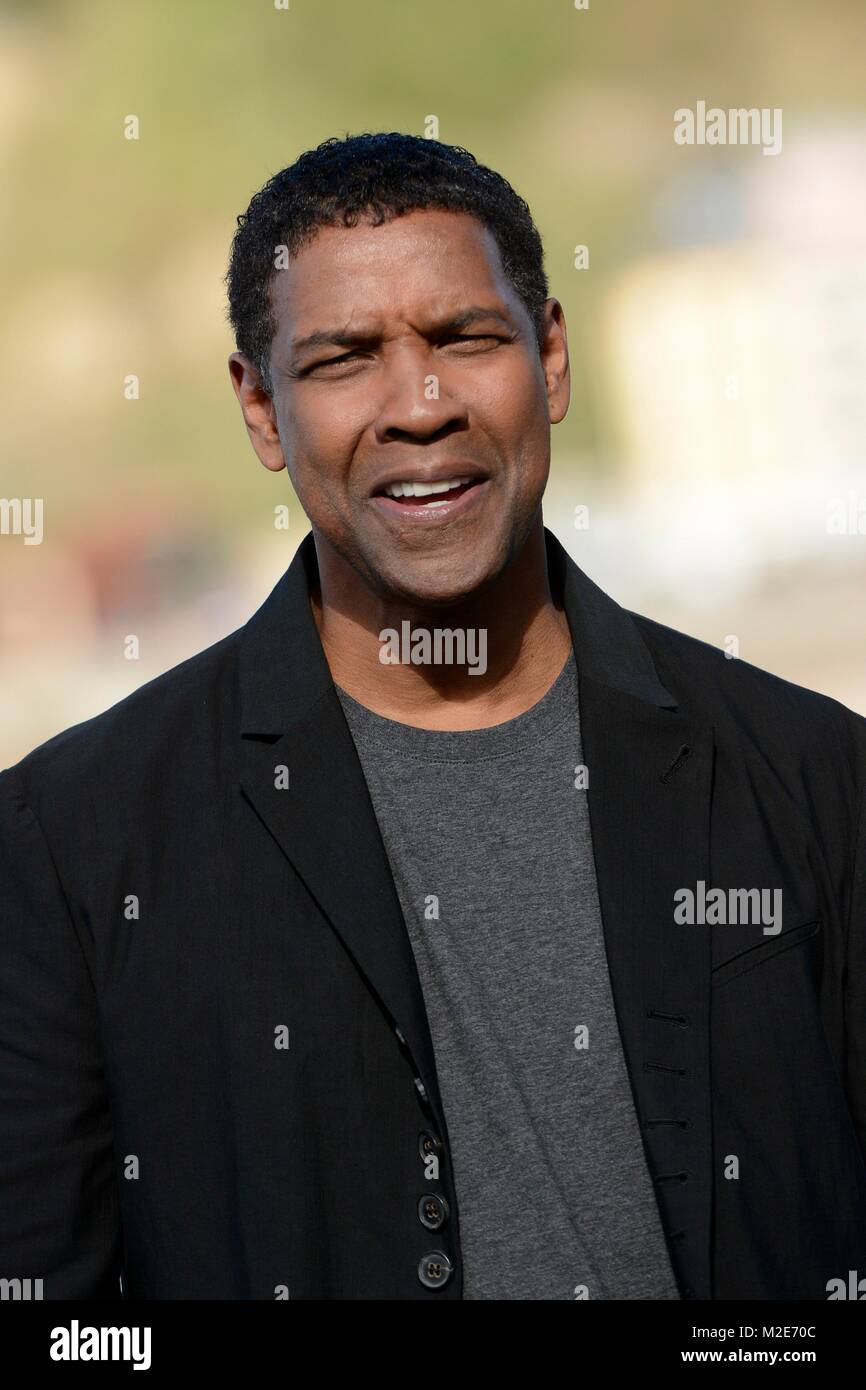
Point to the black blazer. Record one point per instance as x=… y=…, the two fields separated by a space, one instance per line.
x=216 y=1072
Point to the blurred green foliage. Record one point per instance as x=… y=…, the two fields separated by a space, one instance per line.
x=575 y=108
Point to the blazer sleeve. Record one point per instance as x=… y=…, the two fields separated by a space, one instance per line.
x=855 y=960
x=59 y=1203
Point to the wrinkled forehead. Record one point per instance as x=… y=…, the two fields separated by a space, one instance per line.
x=418 y=267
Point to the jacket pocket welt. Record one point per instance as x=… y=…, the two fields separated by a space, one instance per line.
x=765 y=950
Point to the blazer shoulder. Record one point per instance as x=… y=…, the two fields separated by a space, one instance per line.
x=723 y=688
x=139 y=731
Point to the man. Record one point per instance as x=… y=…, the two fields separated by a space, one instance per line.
x=447 y=931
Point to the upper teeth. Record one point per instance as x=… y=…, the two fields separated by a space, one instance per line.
x=423 y=489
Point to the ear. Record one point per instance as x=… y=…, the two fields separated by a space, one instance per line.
x=554 y=361
x=258 y=411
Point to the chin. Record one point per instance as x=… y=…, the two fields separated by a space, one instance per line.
x=437 y=585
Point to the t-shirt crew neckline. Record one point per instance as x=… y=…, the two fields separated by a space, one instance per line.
x=461 y=745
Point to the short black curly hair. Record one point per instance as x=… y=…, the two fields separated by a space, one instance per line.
x=377 y=176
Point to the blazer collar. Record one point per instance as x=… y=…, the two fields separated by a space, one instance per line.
x=284 y=672
x=650 y=830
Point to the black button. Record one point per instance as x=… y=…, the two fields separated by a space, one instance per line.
x=433 y=1211
x=428 y=1144
x=435 y=1270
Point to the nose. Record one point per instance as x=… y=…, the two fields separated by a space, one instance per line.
x=415 y=402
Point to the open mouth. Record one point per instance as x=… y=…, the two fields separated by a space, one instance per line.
x=443 y=496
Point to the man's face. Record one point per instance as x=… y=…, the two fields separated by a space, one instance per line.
x=403 y=361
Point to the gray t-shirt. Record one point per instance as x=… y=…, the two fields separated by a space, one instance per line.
x=488 y=839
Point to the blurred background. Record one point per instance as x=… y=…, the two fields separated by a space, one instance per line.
x=711 y=470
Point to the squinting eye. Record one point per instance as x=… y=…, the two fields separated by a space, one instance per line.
x=474 y=338
x=333 y=361
x=471 y=339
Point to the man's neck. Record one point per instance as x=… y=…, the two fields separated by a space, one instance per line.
x=525 y=643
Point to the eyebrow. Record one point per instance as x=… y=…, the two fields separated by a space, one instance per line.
x=337 y=337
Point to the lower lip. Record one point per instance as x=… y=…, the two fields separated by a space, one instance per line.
x=423 y=514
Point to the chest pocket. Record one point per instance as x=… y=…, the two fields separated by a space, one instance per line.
x=765 y=950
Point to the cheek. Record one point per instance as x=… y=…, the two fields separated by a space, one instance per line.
x=515 y=399
x=317 y=445
x=515 y=415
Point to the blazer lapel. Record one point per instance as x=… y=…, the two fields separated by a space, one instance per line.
x=649 y=775
x=649 y=767
x=323 y=821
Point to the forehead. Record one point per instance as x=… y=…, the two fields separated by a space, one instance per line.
x=425 y=262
